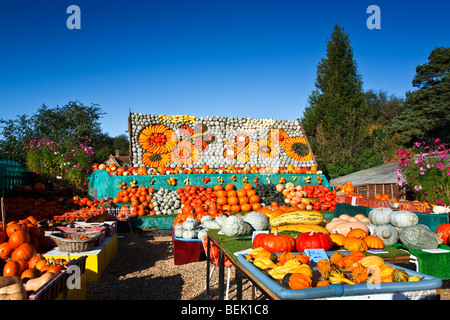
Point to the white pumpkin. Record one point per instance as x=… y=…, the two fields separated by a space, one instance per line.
x=190 y=234
x=202 y=234
x=190 y=225
x=220 y=219
x=403 y=219
x=441 y=209
x=178 y=230
x=379 y=216
x=257 y=220
x=211 y=225
x=206 y=218
x=234 y=226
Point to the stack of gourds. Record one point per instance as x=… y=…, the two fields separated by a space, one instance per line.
x=401 y=226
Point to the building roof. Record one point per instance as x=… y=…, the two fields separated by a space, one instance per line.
x=383 y=174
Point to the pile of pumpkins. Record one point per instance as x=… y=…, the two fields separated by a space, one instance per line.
x=401 y=226
x=22 y=264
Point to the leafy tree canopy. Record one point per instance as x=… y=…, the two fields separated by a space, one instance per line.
x=427 y=110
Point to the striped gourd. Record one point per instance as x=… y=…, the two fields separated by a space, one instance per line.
x=296 y=217
x=300 y=228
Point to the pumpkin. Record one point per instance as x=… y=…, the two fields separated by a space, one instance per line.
x=211 y=224
x=387 y=233
x=206 y=218
x=402 y=219
x=441 y=209
x=313 y=240
x=418 y=237
x=15 y=226
x=30 y=273
x=34 y=260
x=25 y=251
x=357 y=233
x=5 y=250
x=345 y=227
x=234 y=226
x=379 y=216
x=351 y=259
x=443 y=232
x=18 y=237
x=141 y=171
x=257 y=220
x=336 y=257
x=355 y=244
x=374 y=242
x=297 y=281
x=322 y=283
x=39 y=187
x=338 y=239
x=178 y=230
x=190 y=224
x=12 y=268
x=190 y=234
x=400 y=275
x=324 y=267
x=360 y=274
x=274 y=243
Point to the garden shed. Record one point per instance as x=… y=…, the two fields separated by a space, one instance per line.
x=377 y=180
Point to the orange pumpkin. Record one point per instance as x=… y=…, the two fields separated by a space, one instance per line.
x=338 y=239
x=357 y=233
x=297 y=281
x=355 y=244
x=374 y=242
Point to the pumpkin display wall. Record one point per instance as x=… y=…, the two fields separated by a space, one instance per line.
x=216 y=141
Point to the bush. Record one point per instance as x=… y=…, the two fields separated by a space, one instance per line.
x=64 y=161
x=427 y=171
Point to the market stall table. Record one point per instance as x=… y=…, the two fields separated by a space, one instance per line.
x=97 y=259
x=187 y=250
x=431 y=220
x=228 y=247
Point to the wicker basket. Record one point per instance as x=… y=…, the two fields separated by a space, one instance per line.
x=68 y=242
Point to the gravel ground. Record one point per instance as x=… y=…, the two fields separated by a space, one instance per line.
x=144 y=269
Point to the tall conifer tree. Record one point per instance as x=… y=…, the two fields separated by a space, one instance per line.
x=337 y=115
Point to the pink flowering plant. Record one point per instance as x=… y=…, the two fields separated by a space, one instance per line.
x=426 y=169
x=65 y=160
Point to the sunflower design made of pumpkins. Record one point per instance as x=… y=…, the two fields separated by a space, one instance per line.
x=157 y=139
x=296 y=148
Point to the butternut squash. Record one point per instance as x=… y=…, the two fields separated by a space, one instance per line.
x=36 y=283
x=8 y=280
x=14 y=291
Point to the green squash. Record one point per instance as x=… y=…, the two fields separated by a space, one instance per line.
x=418 y=237
x=387 y=233
x=400 y=275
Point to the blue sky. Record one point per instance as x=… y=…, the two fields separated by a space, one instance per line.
x=247 y=58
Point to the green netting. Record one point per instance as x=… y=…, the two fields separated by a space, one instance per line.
x=102 y=185
x=13 y=174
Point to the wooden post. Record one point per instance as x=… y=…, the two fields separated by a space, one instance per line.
x=3 y=214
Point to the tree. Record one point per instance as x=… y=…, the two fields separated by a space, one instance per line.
x=60 y=143
x=337 y=115
x=74 y=120
x=426 y=115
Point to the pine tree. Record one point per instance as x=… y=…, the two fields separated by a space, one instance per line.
x=427 y=110
x=337 y=116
